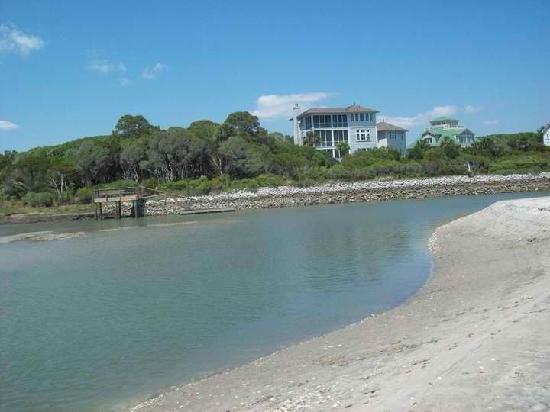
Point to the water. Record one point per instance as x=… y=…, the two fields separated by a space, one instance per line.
x=134 y=306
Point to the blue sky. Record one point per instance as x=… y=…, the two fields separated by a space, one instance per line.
x=71 y=68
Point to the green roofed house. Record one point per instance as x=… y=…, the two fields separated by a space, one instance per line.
x=447 y=127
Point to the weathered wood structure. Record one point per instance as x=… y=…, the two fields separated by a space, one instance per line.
x=136 y=195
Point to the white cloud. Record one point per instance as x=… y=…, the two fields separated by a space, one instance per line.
x=106 y=66
x=472 y=109
x=271 y=106
x=125 y=81
x=150 y=73
x=14 y=40
x=7 y=126
x=494 y=122
x=420 y=119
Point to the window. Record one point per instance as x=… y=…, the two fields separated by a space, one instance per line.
x=362 y=117
x=340 y=136
x=360 y=135
x=323 y=138
x=339 y=120
x=308 y=122
x=326 y=120
x=316 y=121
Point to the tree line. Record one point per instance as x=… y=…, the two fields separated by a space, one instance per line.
x=239 y=152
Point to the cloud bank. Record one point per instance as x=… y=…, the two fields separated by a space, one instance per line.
x=150 y=73
x=420 y=119
x=16 y=41
x=273 y=106
x=106 y=66
x=6 y=126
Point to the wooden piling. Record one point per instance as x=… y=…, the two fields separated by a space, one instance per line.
x=135 y=195
x=118 y=209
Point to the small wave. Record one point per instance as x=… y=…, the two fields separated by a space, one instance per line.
x=40 y=236
x=116 y=229
x=172 y=224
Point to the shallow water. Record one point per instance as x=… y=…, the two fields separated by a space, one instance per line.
x=130 y=307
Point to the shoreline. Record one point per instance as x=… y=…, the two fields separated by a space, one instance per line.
x=328 y=193
x=350 y=192
x=474 y=337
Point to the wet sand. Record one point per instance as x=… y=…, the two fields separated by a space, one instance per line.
x=476 y=337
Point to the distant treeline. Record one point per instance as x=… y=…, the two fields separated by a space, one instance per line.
x=239 y=153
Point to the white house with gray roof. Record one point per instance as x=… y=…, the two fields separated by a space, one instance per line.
x=354 y=125
x=392 y=136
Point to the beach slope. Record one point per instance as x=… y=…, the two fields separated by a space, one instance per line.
x=476 y=337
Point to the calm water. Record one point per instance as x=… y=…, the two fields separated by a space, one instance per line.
x=137 y=305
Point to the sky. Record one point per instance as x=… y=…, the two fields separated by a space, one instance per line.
x=70 y=69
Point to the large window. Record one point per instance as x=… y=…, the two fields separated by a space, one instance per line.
x=322 y=120
x=362 y=117
x=339 y=120
x=308 y=122
x=323 y=138
x=316 y=121
x=340 y=136
x=362 y=135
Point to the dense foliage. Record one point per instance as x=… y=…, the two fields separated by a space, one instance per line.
x=239 y=153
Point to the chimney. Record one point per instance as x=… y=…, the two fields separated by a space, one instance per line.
x=295 y=113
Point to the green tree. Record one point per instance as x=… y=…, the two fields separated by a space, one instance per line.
x=310 y=139
x=94 y=161
x=204 y=129
x=418 y=150
x=450 y=148
x=133 y=126
x=241 y=124
x=343 y=149
x=242 y=158
x=132 y=156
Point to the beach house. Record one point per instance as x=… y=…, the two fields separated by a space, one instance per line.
x=442 y=128
x=324 y=128
x=392 y=136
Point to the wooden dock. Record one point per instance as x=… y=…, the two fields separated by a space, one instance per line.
x=136 y=195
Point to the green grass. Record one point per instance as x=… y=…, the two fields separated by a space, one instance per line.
x=17 y=207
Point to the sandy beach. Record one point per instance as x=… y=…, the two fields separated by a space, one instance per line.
x=475 y=337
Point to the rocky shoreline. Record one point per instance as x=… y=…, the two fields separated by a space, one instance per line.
x=341 y=192
x=330 y=193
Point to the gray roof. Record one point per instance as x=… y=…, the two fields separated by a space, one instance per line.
x=383 y=126
x=354 y=108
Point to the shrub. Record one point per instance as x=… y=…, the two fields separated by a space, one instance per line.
x=38 y=199
x=84 y=195
x=270 y=180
